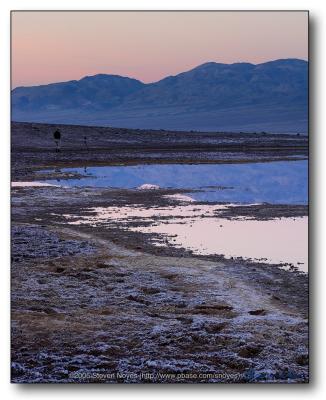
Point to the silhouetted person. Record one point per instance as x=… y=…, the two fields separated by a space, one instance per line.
x=85 y=142
x=57 y=139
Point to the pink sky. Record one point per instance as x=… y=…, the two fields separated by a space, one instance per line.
x=60 y=46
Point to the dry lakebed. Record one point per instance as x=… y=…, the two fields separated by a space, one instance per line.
x=157 y=256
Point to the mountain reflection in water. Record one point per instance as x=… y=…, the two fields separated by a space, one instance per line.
x=281 y=182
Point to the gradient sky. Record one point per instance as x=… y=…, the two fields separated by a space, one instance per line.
x=59 y=46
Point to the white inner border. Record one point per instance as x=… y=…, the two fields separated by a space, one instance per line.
x=317 y=212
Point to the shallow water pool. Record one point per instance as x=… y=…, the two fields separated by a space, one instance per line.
x=201 y=229
x=282 y=182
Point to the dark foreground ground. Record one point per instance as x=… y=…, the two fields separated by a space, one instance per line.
x=33 y=147
x=102 y=304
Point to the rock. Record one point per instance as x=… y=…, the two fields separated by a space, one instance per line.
x=257 y=312
x=249 y=351
x=150 y=290
x=214 y=328
x=185 y=320
x=302 y=359
x=138 y=299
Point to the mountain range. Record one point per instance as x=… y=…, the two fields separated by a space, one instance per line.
x=271 y=97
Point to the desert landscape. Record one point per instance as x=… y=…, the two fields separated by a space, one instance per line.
x=106 y=288
x=159 y=197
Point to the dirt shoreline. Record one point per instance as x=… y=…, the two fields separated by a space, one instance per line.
x=95 y=304
x=33 y=148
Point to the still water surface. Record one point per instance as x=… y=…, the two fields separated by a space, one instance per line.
x=283 y=182
x=200 y=229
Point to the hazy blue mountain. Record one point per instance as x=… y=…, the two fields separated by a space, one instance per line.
x=98 y=92
x=272 y=96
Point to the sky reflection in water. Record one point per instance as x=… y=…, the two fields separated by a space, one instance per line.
x=281 y=240
x=282 y=182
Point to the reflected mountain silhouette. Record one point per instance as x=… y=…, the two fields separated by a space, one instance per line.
x=283 y=182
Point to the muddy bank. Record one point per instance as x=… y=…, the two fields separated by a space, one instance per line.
x=122 y=314
x=265 y=211
x=70 y=199
x=105 y=305
x=33 y=147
